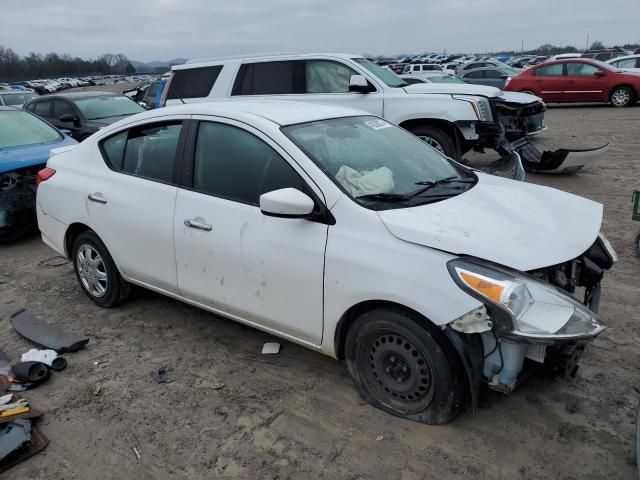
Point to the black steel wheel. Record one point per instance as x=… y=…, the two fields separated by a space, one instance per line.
x=405 y=367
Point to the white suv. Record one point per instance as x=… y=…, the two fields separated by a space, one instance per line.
x=453 y=118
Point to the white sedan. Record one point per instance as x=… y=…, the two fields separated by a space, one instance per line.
x=338 y=231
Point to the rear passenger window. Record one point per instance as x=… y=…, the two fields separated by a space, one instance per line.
x=193 y=82
x=478 y=74
x=43 y=109
x=554 y=70
x=270 y=78
x=147 y=151
x=235 y=164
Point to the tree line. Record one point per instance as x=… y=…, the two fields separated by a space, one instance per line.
x=13 y=67
x=548 y=49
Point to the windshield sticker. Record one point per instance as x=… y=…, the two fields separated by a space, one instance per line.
x=377 y=124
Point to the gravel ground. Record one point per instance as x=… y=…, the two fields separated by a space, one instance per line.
x=231 y=413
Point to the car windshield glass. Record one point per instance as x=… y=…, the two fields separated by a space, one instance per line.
x=384 y=74
x=378 y=164
x=17 y=98
x=444 y=79
x=19 y=128
x=94 y=108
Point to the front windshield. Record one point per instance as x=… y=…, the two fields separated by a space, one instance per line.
x=377 y=163
x=17 y=98
x=384 y=74
x=94 y=108
x=18 y=128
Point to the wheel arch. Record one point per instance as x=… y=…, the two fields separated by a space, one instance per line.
x=72 y=233
x=635 y=91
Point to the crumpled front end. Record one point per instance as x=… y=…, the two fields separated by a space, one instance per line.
x=541 y=317
x=17 y=202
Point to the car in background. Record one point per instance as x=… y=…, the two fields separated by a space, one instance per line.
x=490 y=76
x=148 y=93
x=432 y=77
x=537 y=60
x=341 y=232
x=564 y=56
x=473 y=65
x=520 y=62
x=578 y=80
x=628 y=63
x=83 y=113
x=605 y=54
x=25 y=143
x=15 y=98
x=418 y=68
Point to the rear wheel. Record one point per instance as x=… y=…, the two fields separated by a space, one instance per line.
x=405 y=368
x=622 y=97
x=438 y=139
x=96 y=271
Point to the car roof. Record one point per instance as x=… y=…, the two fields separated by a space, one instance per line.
x=14 y=92
x=200 y=62
x=84 y=94
x=280 y=112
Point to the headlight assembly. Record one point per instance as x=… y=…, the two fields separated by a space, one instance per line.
x=480 y=105
x=524 y=306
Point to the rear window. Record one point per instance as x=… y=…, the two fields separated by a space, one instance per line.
x=193 y=82
x=19 y=128
x=17 y=98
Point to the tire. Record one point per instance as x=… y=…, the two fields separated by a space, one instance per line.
x=96 y=271
x=637 y=245
x=622 y=97
x=404 y=367
x=438 y=139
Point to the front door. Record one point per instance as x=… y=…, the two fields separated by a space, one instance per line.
x=263 y=270
x=583 y=85
x=131 y=201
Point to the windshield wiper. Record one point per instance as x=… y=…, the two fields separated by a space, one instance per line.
x=454 y=179
x=385 y=197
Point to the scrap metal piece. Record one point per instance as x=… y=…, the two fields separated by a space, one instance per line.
x=45 y=335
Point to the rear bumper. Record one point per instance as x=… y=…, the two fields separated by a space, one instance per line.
x=53 y=232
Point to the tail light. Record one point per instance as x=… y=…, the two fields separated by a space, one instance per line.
x=44 y=175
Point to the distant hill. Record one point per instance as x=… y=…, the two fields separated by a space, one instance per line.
x=156 y=64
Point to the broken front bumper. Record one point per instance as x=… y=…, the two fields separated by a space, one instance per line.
x=556 y=161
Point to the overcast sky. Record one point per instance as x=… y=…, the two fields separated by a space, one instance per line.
x=164 y=29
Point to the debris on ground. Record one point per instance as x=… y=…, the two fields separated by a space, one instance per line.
x=48 y=357
x=270 y=348
x=31 y=372
x=45 y=335
x=96 y=390
x=162 y=375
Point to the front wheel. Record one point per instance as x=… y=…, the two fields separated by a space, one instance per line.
x=438 y=139
x=405 y=368
x=622 y=97
x=96 y=271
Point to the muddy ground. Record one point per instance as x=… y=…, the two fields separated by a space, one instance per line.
x=230 y=412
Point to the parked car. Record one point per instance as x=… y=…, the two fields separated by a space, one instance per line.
x=83 y=113
x=490 y=76
x=520 y=62
x=418 y=68
x=460 y=70
x=16 y=98
x=451 y=118
x=578 y=80
x=147 y=94
x=25 y=141
x=537 y=60
x=628 y=63
x=564 y=56
x=341 y=232
x=605 y=54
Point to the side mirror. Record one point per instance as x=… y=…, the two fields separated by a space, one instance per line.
x=67 y=117
x=599 y=73
x=286 y=203
x=359 y=84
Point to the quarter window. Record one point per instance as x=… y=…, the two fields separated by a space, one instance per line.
x=147 y=151
x=235 y=164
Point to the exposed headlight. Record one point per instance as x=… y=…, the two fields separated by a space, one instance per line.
x=524 y=306
x=480 y=105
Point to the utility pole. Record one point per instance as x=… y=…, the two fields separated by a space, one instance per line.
x=522 y=46
x=587 y=47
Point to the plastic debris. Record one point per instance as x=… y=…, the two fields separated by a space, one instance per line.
x=271 y=348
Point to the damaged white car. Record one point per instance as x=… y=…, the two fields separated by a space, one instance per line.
x=341 y=232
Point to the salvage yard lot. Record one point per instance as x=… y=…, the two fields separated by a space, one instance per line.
x=231 y=412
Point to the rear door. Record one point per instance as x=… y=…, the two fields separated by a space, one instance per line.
x=264 y=270
x=549 y=82
x=131 y=201
x=582 y=83
x=323 y=81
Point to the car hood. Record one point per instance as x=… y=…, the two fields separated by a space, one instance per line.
x=516 y=224
x=24 y=156
x=470 y=89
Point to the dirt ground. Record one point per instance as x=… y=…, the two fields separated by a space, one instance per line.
x=230 y=412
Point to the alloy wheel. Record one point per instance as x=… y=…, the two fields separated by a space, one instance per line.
x=92 y=271
x=620 y=97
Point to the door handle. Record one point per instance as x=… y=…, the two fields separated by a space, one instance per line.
x=96 y=198
x=199 y=225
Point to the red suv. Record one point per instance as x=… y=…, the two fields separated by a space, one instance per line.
x=578 y=80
